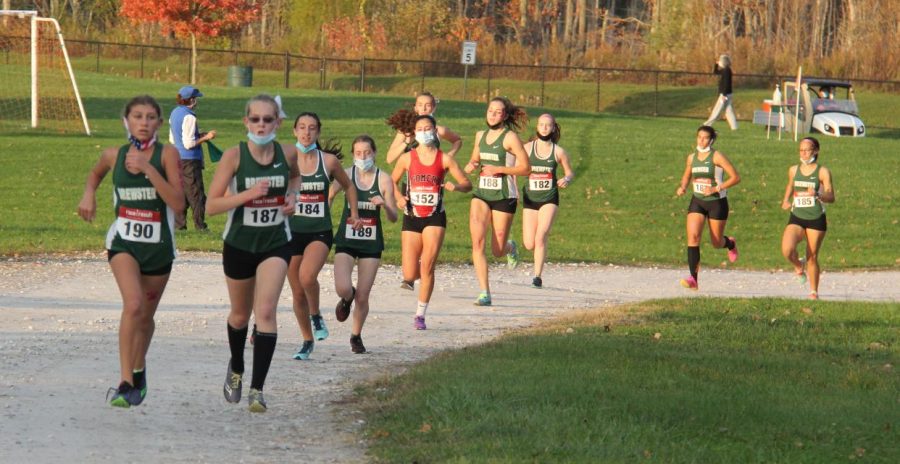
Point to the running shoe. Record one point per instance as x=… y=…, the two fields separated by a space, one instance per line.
x=419 y=323
x=342 y=310
x=537 y=282
x=233 y=385
x=512 y=258
x=813 y=295
x=733 y=253
x=689 y=283
x=319 y=329
x=484 y=299
x=125 y=396
x=407 y=285
x=140 y=384
x=256 y=400
x=800 y=278
x=305 y=350
x=356 y=344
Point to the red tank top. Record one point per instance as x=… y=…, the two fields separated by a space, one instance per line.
x=426 y=186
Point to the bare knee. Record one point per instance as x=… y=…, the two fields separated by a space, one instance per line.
x=132 y=308
x=309 y=282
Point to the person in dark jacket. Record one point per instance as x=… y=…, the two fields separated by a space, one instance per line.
x=723 y=70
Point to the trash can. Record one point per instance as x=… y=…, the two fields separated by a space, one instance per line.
x=240 y=76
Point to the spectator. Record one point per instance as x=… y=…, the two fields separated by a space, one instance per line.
x=723 y=69
x=185 y=134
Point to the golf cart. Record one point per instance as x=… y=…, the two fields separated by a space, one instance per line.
x=827 y=106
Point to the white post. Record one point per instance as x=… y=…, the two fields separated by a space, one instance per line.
x=34 y=72
x=65 y=52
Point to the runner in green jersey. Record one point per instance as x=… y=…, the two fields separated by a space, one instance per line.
x=704 y=171
x=257 y=176
x=311 y=226
x=404 y=141
x=497 y=157
x=540 y=195
x=374 y=191
x=809 y=186
x=147 y=194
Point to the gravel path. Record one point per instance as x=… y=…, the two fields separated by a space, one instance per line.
x=58 y=353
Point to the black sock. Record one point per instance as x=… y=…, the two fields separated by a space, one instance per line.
x=263 y=350
x=237 y=339
x=124 y=387
x=693 y=253
x=729 y=243
x=138 y=377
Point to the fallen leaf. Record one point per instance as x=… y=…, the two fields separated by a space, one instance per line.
x=426 y=427
x=807 y=311
x=657 y=336
x=876 y=346
x=570 y=330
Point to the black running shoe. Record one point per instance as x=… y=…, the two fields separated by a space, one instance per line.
x=342 y=310
x=356 y=344
x=537 y=282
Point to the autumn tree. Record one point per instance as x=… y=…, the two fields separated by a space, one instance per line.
x=206 y=18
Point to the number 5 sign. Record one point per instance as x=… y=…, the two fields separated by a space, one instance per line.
x=468 y=52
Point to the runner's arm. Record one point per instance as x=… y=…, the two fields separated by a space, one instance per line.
x=826 y=192
x=685 y=178
x=455 y=141
x=563 y=158
x=789 y=189
x=87 y=207
x=386 y=187
x=462 y=181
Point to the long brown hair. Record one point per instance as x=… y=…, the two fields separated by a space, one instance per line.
x=516 y=117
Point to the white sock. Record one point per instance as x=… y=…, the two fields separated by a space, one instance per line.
x=421 y=308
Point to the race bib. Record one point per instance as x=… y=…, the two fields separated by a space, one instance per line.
x=804 y=200
x=138 y=225
x=423 y=198
x=310 y=205
x=538 y=181
x=263 y=212
x=366 y=232
x=490 y=182
x=701 y=184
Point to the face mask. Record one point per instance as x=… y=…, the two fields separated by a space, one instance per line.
x=364 y=164
x=304 y=148
x=704 y=150
x=545 y=138
x=261 y=139
x=496 y=126
x=425 y=137
x=134 y=141
x=811 y=160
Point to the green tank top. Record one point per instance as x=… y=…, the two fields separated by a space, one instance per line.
x=541 y=185
x=493 y=188
x=259 y=225
x=369 y=239
x=705 y=173
x=312 y=213
x=806 y=206
x=144 y=225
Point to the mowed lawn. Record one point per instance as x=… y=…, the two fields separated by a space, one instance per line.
x=692 y=380
x=621 y=207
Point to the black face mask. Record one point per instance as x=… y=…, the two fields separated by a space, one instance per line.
x=495 y=126
x=545 y=138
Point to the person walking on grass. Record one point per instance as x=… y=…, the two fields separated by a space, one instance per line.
x=809 y=187
x=426 y=104
x=722 y=68
x=540 y=195
x=422 y=202
x=185 y=135
x=374 y=191
x=498 y=157
x=311 y=226
x=252 y=184
x=703 y=172
x=140 y=242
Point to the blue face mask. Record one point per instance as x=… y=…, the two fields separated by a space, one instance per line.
x=364 y=164
x=305 y=148
x=261 y=139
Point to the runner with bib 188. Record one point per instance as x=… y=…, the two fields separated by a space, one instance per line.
x=703 y=173
x=498 y=157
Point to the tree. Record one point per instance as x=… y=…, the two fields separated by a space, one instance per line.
x=207 y=18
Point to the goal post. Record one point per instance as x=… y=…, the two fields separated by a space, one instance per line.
x=39 y=87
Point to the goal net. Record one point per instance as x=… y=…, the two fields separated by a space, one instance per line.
x=37 y=85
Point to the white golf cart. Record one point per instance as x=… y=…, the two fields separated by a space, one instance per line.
x=822 y=109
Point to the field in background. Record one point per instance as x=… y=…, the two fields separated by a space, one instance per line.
x=621 y=207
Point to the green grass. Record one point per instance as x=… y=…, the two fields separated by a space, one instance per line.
x=621 y=207
x=727 y=380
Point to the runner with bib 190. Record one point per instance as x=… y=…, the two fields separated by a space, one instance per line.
x=374 y=191
x=424 y=220
x=704 y=172
x=147 y=193
x=809 y=186
x=252 y=184
x=540 y=195
x=498 y=156
x=311 y=225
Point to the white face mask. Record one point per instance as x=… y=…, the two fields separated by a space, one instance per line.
x=425 y=137
x=261 y=139
x=704 y=150
x=811 y=160
x=364 y=164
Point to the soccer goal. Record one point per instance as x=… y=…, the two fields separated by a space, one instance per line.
x=37 y=85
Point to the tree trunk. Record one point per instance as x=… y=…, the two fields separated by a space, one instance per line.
x=581 y=13
x=193 y=59
x=567 y=24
